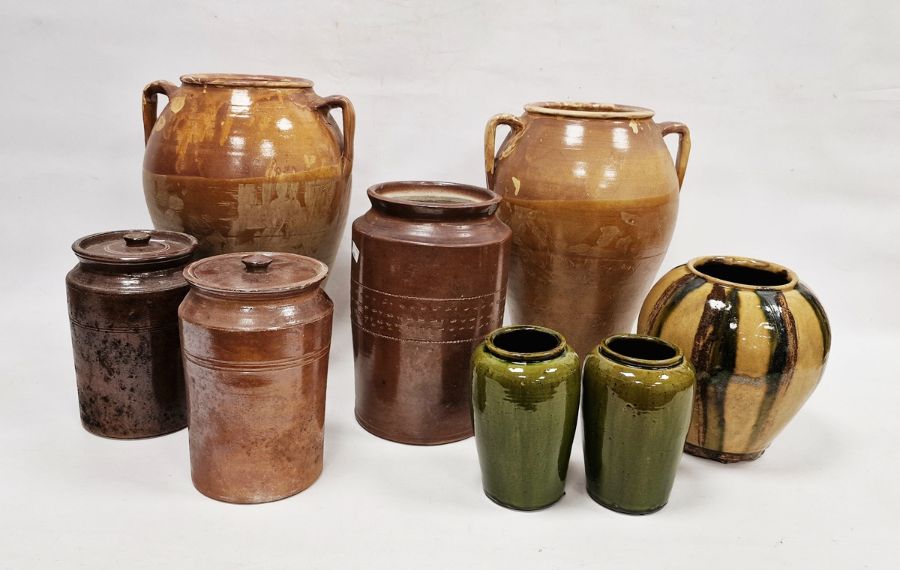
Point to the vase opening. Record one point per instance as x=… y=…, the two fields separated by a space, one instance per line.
x=526 y=343
x=240 y=80
x=589 y=110
x=744 y=272
x=640 y=350
x=433 y=199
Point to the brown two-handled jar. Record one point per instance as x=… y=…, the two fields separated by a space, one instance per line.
x=123 y=301
x=591 y=194
x=428 y=283
x=256 y=331
x=249 y=163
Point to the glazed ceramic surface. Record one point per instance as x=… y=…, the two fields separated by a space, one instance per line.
x=428 y=283
x=123 y=301
x=248 y=163
x=256 y=333
x=758 y=339
x=591 y=194
x=525 y=392
x=638 y=394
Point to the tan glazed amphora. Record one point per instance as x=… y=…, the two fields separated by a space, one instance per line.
x=591 y=194
x=248 y=163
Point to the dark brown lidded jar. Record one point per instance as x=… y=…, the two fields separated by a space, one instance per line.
x=123 y=310
x=256 y=332
x=428 y=283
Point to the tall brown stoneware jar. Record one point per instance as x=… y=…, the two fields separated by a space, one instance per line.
x=256 y=331
x=428 y=283
x=248 y=163
x=123 y=309
x=591 y=194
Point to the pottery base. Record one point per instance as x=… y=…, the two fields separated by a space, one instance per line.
x=93 y=431
x=245 y=500
x=721 y=456
x=523 y=509
x=619 y=509
x=242 y=501
x=412 y=441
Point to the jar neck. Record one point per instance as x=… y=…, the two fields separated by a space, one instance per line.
x=292 y=296
x=239 y=81
x=433 y=200
x=133 y=268
x=641 y=351
x=743 y=272
x=588 y=110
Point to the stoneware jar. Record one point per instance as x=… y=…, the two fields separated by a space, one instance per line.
x=638 y=395
x=428 y=283
x=758 y=339
x=123 y=309
x=256 y=331
x=525 y=391
x=248 y=163
x=591 y=195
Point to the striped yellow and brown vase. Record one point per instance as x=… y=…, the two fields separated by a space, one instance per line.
x=758 y=339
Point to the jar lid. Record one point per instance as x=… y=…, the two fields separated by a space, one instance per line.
x=261 y=273
x=135 y=247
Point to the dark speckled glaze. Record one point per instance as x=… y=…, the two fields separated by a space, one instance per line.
x=525 y=392
x=637 y=408
x=123 y=301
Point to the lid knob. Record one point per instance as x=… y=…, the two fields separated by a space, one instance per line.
x=256 y=262
x=135 y=239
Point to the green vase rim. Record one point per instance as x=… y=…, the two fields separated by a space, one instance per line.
x=547 y=351
x=611 y=347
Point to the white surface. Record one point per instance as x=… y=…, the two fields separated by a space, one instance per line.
x=794 y=111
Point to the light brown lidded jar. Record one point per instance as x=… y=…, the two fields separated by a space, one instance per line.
x=256 y=332
x=428 y=283
x=123 y=309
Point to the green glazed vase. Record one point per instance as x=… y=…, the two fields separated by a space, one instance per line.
x=638 y=394
x=525 y=392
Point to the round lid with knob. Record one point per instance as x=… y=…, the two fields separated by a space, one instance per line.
x=259 y=273
x=135 y=247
